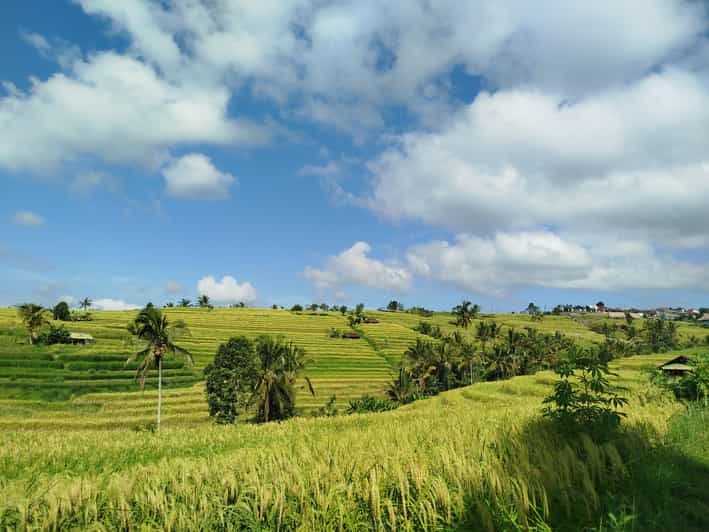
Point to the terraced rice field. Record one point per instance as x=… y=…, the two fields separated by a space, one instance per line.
x=79 y=387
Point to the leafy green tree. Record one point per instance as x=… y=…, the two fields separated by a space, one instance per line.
x=33 y=317
x=158 y=337
x=85 y=303
x=203 y=301
x=343 y=309
x=393 y=305
x=471 y=357
x=583 y=398
x=54 y=335
x=61 y=311
x=184 y=303
x=278 y=365
x=297 y=308
x=324 y=307
x=464 y=314
x=359 y=309
x=169 y=304
x=231 y=379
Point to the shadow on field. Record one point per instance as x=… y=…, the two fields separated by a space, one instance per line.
x=634 y=481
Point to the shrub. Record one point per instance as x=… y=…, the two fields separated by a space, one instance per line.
x=367 y=403
x=693 y=386
x=583 y=399
x=55 y=335
x=334 y=333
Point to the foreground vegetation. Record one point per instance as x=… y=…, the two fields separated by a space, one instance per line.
x=478 y=457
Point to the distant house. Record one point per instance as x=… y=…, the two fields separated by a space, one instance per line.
x=616 y=315
x=677 y=367
x=636 y=315
x=81 y=338
x=703 y=319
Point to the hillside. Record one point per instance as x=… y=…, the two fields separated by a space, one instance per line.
x=436 y=463
x=81 y=387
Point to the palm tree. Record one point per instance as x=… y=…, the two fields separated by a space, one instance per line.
x=401 y=389
x=184 y=303
x=278 y=366
x=158 y=336
x=465 y=313
x=85 y=303
x=34 y=317
x=470 y=356
x=203 y=300
x=419 y=360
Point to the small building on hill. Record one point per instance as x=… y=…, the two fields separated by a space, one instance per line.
x=703 y=319
x=677 y=367
x=81 y=338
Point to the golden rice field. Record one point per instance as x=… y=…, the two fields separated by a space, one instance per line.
x=466 y=458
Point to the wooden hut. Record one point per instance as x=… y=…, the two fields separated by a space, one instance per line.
x=677 y=367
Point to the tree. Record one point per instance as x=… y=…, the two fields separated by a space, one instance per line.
x=583 y=398
x=231 y=379
x=278 y=364
x=402 y=388
x=465 y=313
x=297 y=308
x=343 y=309
x=469 y=356
x=532 y=309
x=153 y=329
x=324 y=307
x=34 y=317
x=203 y=301
x=359 y=309
x=393 y=305
x=169 y=304
x=61 y=311
x=85 y=303
x=184 y=303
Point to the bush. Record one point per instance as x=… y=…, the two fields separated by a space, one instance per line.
x=694 y=386
x=583 y=399
x=367 y=403
x=231 y=379
x=55 y=335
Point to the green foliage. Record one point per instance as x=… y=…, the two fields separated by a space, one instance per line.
x=231 y=379
x=429 y=329
x=33 y=317
x=54 y=335
x=368 y=403
x=465 y=313
x=402 y=389
x=85 y=303
x=660 y=335
x=61 y=311
x=584 y=400
x=184 y=303
x=693 y=386
x=278 y=364
x=203 y=301
x=328 y=409
x=297 y=308
x=395 y=305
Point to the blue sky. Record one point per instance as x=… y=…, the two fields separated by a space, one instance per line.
x=295 y=151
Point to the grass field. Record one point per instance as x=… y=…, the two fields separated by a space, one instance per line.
x=472 y=458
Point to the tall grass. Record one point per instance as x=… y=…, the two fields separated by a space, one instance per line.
x=449 y=461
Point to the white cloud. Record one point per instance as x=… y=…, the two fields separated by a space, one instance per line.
x=173 y=287
x=228 y=290
x=493 y=265
x=193 y=176
x=114 y=108
x=70 y=300
x=522 y=158
x=113 y=304
x=28 y=218
x=354 y=267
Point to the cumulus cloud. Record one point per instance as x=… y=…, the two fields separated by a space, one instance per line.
x=522 y=158
x=228 y=290
x=354 y=267
x=113 y=304
x=28 y=218
x=493 y=265
x=193 y=176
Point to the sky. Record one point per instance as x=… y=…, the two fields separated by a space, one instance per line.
x=294 y=151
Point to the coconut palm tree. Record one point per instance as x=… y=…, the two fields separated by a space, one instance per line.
x=85 y=303
x=203 y=301
x=278 y=366
x=34 y=317
x=470 y=356
x=158 y=337
x=184 y=303
x=465 y=313
x=401 y=389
